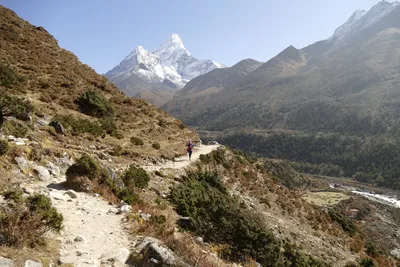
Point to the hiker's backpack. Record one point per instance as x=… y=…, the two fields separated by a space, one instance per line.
x=190 y=147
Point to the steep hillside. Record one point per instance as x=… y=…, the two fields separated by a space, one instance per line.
x=34 y=67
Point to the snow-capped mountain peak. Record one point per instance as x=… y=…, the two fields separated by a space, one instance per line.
x=362 y=19
x=171 y=62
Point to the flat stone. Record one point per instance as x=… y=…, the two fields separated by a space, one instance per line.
x=4 y=262
x=120 y=255
x=42 y=173
x=30 y=263
x=78 y=239
x=71 y=193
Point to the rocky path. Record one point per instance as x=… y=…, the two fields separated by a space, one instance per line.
x=183 y=161
x=93 y=234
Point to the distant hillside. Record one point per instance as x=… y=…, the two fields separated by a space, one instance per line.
x=217 y=79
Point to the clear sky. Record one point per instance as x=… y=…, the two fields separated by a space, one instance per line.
x=102 y=32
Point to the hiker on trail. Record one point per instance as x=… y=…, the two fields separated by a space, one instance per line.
x=189 y=146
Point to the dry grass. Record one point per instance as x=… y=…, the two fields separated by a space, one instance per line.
x=325 y=198
x=47 y=253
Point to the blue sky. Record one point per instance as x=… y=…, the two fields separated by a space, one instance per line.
x=102 y=32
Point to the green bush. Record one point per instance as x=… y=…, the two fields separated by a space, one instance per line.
x=8 y=77
x=108 y=125
x=136 y=141
x=15 y=128
x=15 y=106
x=371 y=250
x=135 y=177
x=156 y=146
x=220 y=218
x=94 y=104
x=26 y=221
x=79 y=126
x=345 y=222
x=85 y=166
x=366 y=262
x=4 y=146
x=83 y=172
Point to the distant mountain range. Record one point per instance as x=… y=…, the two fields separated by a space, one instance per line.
x=157 y=75
x=349 y=83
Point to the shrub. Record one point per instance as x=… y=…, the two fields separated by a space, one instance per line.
x=219 y=218
x=15 y=106
x=365 y=262
x=108 y=125
x=345 y=222
x=26 y=221
x=94 y=104
x=136 y=141
x=3 y=147
x=82 y=172
x=371 y=249
x=156 y=146
x=8 y=77
x=135 y=177
x=79 y=126
x=15 y=128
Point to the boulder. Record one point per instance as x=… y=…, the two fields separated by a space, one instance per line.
x=58 y=127
x=71 y=193
x=4 y=262
x=155 y=253
x=43 y=123
x=30 y=263
x=53 y=169
x=120 y=256
x=42 y=173
x=78 y=239
x=22 y=163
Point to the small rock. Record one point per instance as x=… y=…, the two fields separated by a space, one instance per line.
x=28 y=190
x=42 y=173
x=125 y=209
x=119 y=255
x=71 y=193
x=58 y=127
x=113 y=211
x=145 y=216
x=78 y=239
x=4 y=262
x=43 y=123
x=199 y=239
x=30 y=263
x=22 y=163
x=53 y=169
x=19 y=142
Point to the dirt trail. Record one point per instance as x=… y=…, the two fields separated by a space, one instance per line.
x=91 y=226
x=183 y=161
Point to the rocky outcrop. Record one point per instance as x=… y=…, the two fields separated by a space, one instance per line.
x=155 y=254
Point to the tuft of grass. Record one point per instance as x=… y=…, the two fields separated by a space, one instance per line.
x=137 y=141
x=15 y=128
x=17 y=107
x=156 y=145
x=4 y=147
x=8 y=77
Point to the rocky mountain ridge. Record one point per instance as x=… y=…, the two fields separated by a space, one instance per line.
x=165 y=70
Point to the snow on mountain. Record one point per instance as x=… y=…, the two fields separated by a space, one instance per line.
x=171 y=61
x=361 y=20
